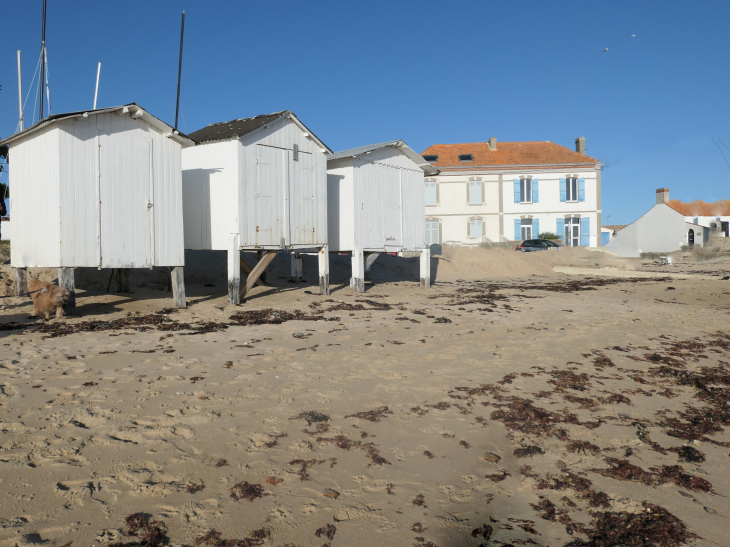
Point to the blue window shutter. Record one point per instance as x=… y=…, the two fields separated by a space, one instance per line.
x=581 y=189
x=517 y=190
x=605 y=237
x=585 y=231
x=475 y=192
x=535 y=227
x=560 y=226
x=518 y=229
x=535 y=190
x=563 y=190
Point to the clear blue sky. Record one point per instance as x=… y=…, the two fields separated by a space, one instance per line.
x=426 y=72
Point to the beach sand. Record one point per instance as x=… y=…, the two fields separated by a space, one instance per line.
x=507 y=404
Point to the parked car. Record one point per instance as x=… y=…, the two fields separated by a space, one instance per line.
x=530 y=245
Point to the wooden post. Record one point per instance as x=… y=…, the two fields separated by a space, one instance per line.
x=178 y=286
x=296 y=267
x=369 y=259
x=248 y=269
x=123 y=280
x=357 y=281
x=66 y=279
x=426 y=268
x=260 y=255
x=257 y=271
x=21 y=281
x=234 y=272
x=324 y=270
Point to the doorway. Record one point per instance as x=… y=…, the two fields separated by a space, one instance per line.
x=691 y=238
x=572 y=232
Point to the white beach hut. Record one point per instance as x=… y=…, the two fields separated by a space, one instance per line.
x=377 y=204
x=98 y=188
x=256 y=184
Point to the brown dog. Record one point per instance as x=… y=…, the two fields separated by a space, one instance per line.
x=48 y=298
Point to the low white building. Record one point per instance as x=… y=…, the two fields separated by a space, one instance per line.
x=511 y=191
x=670 y=225
x=97 y=188
x=375 y=205
x=259 y=184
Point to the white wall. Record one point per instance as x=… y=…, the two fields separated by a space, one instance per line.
x=35 y=200
x=340 y=205
x=660 y=230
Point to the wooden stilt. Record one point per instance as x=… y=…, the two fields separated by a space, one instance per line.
x=178 y=287
x=248 y=269
x=123 y=280
x=234 y=272
x=21 y=281
x=296 y=267
x=369 y=259
x=357 y=281
x=324 y=270
x=260 y=255
x=66 y=279
x=426 y=268
x=266 y=259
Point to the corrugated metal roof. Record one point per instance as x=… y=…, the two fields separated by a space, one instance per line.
x=243 y=126
x=400 y=145
x=146 y=116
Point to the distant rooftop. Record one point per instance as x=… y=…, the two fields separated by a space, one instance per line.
x=699 y=208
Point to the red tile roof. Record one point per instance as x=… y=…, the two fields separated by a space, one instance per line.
x=699 y=208
x=507 y=154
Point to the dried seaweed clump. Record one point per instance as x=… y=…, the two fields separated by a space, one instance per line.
x=150 y=533
x=328 y=531
x=269 y=316
x=371 y=415
x=652 y=526
x=311 y=416
x=528 y=451
x=212 y=538
x=246 y=491
x=623 y=470
x=689 y=454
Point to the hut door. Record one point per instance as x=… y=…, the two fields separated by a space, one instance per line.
x=390 y=183
x=125 y=201
x=271 y=179
x=301 y=200
x=691 y=238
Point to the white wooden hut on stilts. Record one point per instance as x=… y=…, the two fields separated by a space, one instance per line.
x=376 y=204
x=98 y=188
x=258 y=184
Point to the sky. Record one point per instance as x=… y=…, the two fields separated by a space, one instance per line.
x=653 y=108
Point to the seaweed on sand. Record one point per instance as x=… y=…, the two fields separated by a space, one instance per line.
x=650 y=527
x=246 y=491
x=150 y=533
x=371 y=415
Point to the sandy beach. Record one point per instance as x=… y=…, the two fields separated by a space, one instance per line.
x=509 y=404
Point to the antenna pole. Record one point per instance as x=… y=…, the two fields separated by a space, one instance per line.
x=20 y=93
x=96 y=91
x=179 y=68
x=43 y=63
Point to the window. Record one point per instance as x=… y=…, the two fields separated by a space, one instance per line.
x=431 y=193
x=432 y=232
x=526 y=191
x=475 y=229
x=475 y=192
x=526 y=229
x=571 y=189
x=431 y=159
x=466 y=157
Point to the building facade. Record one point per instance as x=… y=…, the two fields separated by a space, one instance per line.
x=511 y=191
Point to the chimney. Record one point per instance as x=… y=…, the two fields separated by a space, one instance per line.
x=492 y=144
x=662 y=195
x=580 y=145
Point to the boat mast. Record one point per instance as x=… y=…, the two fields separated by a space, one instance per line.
x=43 y=63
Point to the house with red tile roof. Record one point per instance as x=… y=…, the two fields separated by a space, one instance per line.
x=511 y=191
x=670 y=225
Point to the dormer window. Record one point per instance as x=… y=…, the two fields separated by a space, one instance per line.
x=466 y=157
x=431 y=159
